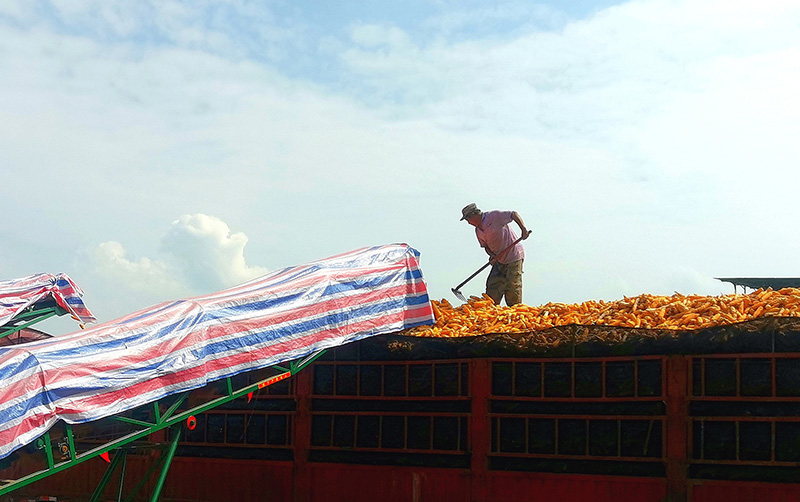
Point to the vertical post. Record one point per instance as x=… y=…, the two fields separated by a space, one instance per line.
x=301 y=489
x=70 y=441
x=107 y=476
x=145 y=478
x=480 y=374
x=48 y=450
x=170 y=453
x=677 y=428
x=122 y=477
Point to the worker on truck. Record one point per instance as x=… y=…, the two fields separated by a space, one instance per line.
x=497 y=238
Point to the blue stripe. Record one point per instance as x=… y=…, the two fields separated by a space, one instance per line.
x=263 y=304
x=217 y=314
x=310 y=326
x=23 y=408
x=266 y=335
x=333 y=289
x=8 y=370
x=305 y=271
x=240 y=342
x=310 y=349
x=222 y=313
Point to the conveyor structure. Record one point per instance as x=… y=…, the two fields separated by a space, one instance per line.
x=154 y=358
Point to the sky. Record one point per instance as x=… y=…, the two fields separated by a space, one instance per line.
x=164 y=149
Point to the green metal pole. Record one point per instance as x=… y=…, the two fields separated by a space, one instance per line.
x=48 y=450
x=71 y=441
x=122 y=478
x=175 y=406
x=167 y=462
x=146 y=477
x=107 y=476
x=35 y=316
x=167 y=420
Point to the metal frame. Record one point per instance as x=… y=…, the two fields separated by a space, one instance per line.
x=30 y=317
x=407 y=397
x=698 y=457
x=169 y=418
x=656 y=420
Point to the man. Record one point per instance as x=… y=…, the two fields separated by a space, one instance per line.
x=495 y=236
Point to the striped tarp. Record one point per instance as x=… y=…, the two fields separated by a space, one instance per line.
x=18 y=294
x=181 y=345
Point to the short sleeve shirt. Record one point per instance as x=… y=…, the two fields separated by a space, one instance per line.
x=495 y=234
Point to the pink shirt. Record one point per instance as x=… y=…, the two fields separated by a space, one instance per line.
x=495 y=234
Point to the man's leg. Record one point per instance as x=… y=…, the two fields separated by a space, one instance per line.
x=513 y=276
x=496 y=283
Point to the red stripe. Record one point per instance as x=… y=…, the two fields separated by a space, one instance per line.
x=102 y=400
x=313 y=279
x=207 y=335
x=29 y=423
x=31 y=279
x=251 y=289
x=97 y=331
x=26 y=292
x=407 y=261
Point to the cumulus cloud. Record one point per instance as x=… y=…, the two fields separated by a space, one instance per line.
x=209 y=256
x=200 y=255
x=142 y=275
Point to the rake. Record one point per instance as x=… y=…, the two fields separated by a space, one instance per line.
x=457 y=290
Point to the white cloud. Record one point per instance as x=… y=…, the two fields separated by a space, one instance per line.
x=17 y=11
x=144 y=275
x=588 y=81
x=200 y=255
x=208 y=254
x=496 y=20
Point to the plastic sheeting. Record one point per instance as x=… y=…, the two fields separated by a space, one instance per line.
x=181 y=345
x=18 y=294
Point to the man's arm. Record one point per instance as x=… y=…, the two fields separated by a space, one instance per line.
x=518 y=220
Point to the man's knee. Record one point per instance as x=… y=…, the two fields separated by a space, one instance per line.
x=497 y=296
x=513 y=297
x=514 y=291
x=495 y=292
x=495 y=288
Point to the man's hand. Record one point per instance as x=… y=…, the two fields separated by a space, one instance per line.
x=526 y=234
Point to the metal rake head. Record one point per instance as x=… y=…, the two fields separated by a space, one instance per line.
x=458 y=294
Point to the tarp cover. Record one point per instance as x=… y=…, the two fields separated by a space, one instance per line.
x=181 y=345
x=18 y=294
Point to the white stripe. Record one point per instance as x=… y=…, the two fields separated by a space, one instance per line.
x=140 y=339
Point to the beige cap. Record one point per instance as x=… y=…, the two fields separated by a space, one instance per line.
x=469 y=210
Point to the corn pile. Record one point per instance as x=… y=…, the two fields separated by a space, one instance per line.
x=481 y=316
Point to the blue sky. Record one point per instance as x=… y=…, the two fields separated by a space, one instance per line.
x=157 y=150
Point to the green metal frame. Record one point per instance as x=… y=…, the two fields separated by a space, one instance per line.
x=164 y=461
x=28 y=318
x=162 y=420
